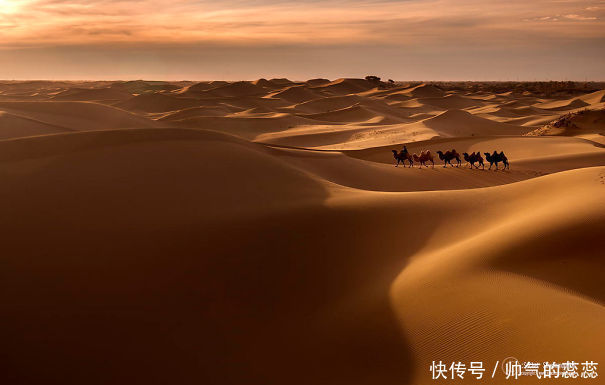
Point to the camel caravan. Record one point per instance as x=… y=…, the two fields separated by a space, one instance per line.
x=473 y=160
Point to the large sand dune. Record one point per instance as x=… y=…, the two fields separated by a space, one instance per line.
x=259 y=233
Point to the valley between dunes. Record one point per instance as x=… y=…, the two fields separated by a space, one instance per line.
x=259 y=233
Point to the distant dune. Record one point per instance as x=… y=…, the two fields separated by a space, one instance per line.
x=259 y=232
x=157 y=102
x=296 y=94
x=92 y=94
x=15 y=126
x=463 y=123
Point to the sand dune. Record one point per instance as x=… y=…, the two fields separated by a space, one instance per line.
x=519 y=285
x=451 y=102
x=248 y=127
x=575 y=123
x=237 y=89
x=197 y=111
x=263 y=104
x=452 y=123
x=317 y=82
x=354 y=113
x=142 y=86
x=325 y=104
x=157 y=102
x=259 y=233
x=15 y=126
x=77 y=115
x=425 y=91
x=462 y=123
x=295 y=94
x=345 y=86
x=560 y=105
x=312 y=135
x=281 y=81
x=202 y=86
x=263 y=83
x=593 y=97
x=92 y=94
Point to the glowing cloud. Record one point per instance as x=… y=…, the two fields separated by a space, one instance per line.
x=462 y=26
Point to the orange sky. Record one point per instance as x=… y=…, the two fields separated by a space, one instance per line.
x=247 y=39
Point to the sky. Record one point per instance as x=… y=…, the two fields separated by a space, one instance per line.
x=250 y=39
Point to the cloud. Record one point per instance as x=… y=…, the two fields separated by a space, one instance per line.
x=279 y=22
x=579 y=17
x=444 y=29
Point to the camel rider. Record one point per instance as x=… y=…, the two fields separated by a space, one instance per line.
x=404 y=151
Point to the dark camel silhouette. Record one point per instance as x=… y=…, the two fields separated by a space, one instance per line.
x=473 y=158
x=425 y=156
x=448 y=156
x=402 y=156
x=496 y=158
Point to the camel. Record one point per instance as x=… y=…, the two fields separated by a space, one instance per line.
x=402 y=157
x=496 y=158
x=425 y=156
x=474 y=157
x=448 y=156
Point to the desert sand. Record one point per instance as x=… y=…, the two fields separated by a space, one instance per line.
x=259 y=233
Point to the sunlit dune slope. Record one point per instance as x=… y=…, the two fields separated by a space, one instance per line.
x=77 y=115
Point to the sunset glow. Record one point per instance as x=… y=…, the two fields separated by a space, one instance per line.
x=157 y=27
